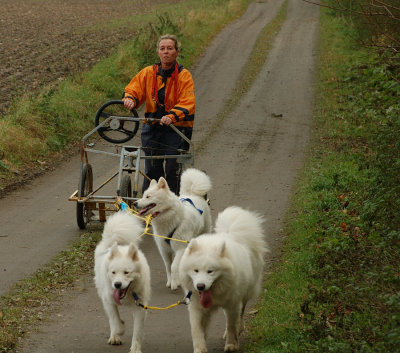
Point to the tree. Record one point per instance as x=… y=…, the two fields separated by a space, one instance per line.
x=377 y=22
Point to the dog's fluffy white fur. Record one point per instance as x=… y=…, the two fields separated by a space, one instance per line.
x=224 y=269
x=121 y=269
x=177 y=217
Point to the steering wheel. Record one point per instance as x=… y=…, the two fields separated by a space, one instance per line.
x=116 y=130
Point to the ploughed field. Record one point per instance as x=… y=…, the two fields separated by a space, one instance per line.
x=44 y=41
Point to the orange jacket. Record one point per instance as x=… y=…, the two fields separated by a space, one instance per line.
x=180 y=109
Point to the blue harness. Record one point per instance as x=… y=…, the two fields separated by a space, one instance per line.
x=183 y=199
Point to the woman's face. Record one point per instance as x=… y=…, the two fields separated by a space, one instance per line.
x=167 y=53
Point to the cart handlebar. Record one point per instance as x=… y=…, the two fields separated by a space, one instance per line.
x=112 y=120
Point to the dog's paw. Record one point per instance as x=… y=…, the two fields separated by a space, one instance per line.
x=115 y=340
x=168 y=285
x=230 y=347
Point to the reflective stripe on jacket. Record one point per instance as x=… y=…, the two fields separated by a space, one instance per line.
x=182 y=111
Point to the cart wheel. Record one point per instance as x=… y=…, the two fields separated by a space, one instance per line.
x=126 y=189
x=116 y=131
x=83 y=213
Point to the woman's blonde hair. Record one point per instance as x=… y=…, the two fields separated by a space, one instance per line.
x=172 y=37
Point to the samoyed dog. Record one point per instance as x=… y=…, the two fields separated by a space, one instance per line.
x=180 y=218
x=122 y=272
x=224 y=269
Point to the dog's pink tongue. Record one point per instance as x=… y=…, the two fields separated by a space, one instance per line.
x=117 y=296
x=145 y=209
x=205 y=299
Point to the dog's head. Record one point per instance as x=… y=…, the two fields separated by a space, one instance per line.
x=204 y=266
x=123 y=269
x=155 y=198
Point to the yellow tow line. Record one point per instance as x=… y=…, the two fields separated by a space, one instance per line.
x=121 y=205
x=147 y=307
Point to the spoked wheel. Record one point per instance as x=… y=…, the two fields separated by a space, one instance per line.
x=83 y=211
x=116 y=130
x=126 y=189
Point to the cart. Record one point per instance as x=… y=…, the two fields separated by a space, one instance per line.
x=116 y=126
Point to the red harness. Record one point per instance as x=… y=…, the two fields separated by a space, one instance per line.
x=173 y=82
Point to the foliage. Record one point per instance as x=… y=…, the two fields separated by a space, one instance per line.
x=377 y=24
x=353 y=294
x=146 y=42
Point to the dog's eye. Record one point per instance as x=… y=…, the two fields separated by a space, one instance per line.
x=197 y=271
x=126 y=272
x=210 y=271
x=113 y=272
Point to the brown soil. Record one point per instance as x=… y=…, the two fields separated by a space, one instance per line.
x=45 y=41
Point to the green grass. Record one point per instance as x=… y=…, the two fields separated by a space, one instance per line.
x=336 y=288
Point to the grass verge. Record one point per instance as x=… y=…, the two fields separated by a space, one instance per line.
x=31 y=299
x=337 y=287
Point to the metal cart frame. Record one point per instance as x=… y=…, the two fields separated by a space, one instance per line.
x=88 y=198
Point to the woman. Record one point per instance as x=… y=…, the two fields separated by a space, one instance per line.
x=168 y=90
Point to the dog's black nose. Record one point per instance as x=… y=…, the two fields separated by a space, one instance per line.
x=201 y=286
x=117 y=285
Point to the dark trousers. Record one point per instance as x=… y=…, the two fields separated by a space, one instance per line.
x=162 y=140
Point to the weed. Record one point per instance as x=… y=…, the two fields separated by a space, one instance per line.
x=146 y=42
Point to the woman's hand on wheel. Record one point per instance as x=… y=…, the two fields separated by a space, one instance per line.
x=129 y=104
x=165 y=120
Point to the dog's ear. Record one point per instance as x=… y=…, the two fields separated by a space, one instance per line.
x=193 y=246
x=133 y=252
x=222 y=251
x=162 y=184
x=153 y=182
x=113 y=250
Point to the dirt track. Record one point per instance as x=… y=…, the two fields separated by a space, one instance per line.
x=253 y=161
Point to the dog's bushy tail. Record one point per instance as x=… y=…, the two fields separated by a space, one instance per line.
x=244 y=227
x=195 y=182
x=124 y=228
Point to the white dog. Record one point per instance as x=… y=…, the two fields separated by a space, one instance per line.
x=224 y=270
x=182 y=218
x=122 y=271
